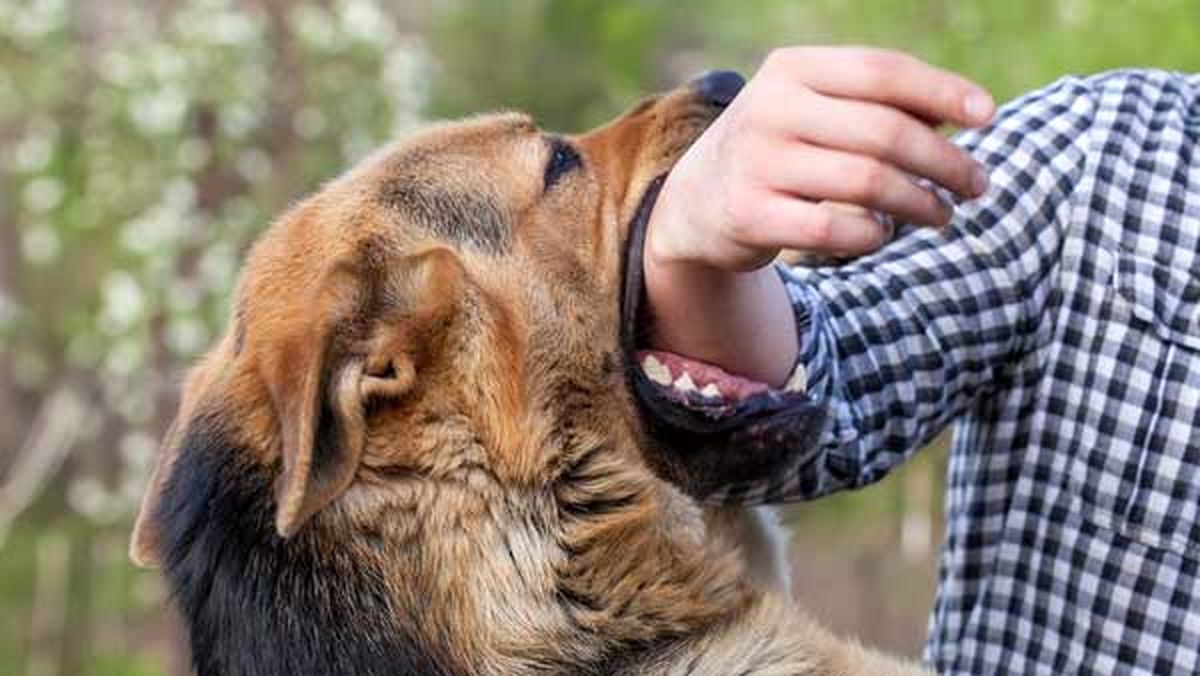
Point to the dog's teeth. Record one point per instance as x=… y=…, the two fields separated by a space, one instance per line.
x=799 y=380
x=711 y=391
x=685 y=383
x=656 y=371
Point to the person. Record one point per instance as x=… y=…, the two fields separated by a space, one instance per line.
x=1051 y=314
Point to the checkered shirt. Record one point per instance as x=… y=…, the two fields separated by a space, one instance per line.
x=1056 y=324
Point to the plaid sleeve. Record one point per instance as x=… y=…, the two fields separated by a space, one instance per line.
x=898 y=344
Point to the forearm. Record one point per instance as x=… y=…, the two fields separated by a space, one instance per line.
x=754 y=336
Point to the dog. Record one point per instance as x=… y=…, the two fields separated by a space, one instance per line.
x=418 y=449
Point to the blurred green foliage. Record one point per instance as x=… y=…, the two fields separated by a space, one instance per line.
x=143 y=145
x=575 y=63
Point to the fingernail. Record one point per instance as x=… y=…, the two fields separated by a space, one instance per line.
x=979 y=180
x=978 y=107
x=947 y=214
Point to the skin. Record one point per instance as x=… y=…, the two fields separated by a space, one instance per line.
x=818 y=139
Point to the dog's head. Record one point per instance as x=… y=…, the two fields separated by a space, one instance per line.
x=450 y=303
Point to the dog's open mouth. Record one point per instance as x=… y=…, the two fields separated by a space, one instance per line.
x=708 y=425
x=686 y=380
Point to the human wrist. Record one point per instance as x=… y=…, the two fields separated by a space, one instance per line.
x=740 y=321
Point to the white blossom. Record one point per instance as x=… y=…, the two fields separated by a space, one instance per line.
x=363 y=20
x=187 y=336
x=41 y=244
x=43 y=193
x=37 y=18
x=34 y=151
x=158 y=111
x=123 y=302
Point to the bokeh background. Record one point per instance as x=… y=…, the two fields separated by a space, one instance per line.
x=144 y=143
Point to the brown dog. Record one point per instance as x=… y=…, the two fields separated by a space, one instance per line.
x=415 y=450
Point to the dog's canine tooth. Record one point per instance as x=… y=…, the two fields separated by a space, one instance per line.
x=685 y=383
x=711 y=391
x=799 y=380
x=656 y=371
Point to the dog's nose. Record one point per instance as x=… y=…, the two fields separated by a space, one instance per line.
x=718 y=87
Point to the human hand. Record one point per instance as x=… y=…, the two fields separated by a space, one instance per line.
x=819 y=139
x=818 y=128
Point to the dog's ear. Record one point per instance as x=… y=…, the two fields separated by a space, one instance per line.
x=359 y=341
x=372 y=328
x=146 y=545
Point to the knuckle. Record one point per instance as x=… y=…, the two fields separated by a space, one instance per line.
x=891 y=133
x=877 y=60
x=783 y=61
x=820 y=227
x=934 y=206
x=962 y=165
x=777 y=59
x=741 y=209
x=882 y=65
x=890 y=59
x=870 y=180
x=740 y=126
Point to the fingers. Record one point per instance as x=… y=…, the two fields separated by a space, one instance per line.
x=885 y=133
x=823 y=174
x=815 y=143
x=886 y=77
x=784 y=222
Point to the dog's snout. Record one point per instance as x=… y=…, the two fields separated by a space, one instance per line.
x=718 y=87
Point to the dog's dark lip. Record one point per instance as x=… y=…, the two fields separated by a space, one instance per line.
x=653 y=402
x=632 y=286
x=636 y=324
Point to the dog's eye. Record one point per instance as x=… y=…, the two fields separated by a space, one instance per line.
x=563 y=159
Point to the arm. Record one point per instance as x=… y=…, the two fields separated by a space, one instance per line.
x=903 y=342
x=900 y=343
x=815 y=131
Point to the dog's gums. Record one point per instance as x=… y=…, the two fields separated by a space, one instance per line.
x=714 y=384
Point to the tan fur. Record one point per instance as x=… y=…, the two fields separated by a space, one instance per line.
x=463 y=328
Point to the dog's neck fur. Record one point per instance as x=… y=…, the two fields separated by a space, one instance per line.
x=601 y=572
x=258 y=605
x=602 y=564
